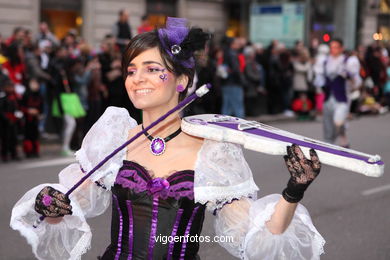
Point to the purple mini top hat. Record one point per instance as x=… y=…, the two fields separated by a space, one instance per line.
x=172 y=36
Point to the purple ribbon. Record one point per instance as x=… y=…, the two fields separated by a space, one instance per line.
x=131 y=220
x=188 y=228
x=173 y=234
x=153 y=227
x=118 y=252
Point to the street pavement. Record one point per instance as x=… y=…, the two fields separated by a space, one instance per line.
x=350 y=210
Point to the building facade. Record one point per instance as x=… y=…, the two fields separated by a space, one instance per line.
x=93 y=19
x=354 y=21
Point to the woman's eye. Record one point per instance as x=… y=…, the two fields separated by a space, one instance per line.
x=130 y=73
x=152 y=70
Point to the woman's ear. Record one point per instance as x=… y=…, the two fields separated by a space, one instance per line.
x=181 y=83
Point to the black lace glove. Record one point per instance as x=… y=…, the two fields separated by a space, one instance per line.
x=52 y=203
x=302 y=170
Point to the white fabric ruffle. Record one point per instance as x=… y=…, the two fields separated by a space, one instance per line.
x=107 y=134
x=68 y=239
x=245 y=221
x=222 y=174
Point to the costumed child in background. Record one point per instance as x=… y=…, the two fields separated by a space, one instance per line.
x=302 y=106
x=368 y=105
x=162 y=183
x=9 y=118
x=32 y=107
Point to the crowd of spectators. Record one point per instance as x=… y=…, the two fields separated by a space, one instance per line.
x=39 y=72
x=275 y=79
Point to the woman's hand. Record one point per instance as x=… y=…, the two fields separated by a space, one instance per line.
x=302 y=170
x=52 y=203
x=53 y=221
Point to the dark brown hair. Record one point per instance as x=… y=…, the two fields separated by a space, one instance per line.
x=149 y=40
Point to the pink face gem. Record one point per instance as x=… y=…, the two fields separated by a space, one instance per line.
x=47 y=200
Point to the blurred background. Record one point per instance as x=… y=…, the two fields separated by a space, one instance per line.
x=59 y=52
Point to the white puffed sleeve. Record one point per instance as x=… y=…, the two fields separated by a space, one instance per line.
x=242 y=218
x=71 y=238
x=107 y=134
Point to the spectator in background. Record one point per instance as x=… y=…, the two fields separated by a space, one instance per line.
x=28 y=42
x=319 y=97
x=313 y=48
x=106 y=55
x=32 y=107
x=254 y=79
x=96 y=93
x=339 y=75
x=9 y=117
x=80 y=76
x=3 y=79
x=232 y=86
x=241 y=42
x=302 y=67
x=70 y=43
x=273 y=78
x=117 y=95
x=145 y=26
x=79 y=80
x=260 y=56
x=302 y=106
x=298 y=47
x=286 y=81
x=45 y=34
x=16 y=37
x=85 y=52
x=376 y=70
x=205 y=72
x=33 y=64
x=59 y=70
x=122 y=30
x=45 y=48
x=15 y=67
x=2 y=48
x=368 y=105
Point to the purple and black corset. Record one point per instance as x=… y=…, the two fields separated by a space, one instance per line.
x=144 y=208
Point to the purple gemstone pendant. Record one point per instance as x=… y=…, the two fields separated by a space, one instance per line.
x=157 y=146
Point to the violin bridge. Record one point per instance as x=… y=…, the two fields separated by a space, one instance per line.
x=248 y=125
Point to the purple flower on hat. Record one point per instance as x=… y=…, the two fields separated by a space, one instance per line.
x=172 y=36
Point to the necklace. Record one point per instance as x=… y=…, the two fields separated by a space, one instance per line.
x=157 y=146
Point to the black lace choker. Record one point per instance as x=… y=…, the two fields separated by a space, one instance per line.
x=157 y=146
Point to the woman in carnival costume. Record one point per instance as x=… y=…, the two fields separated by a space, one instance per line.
x=162 y=186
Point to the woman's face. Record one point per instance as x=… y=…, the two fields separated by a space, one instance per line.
x=149 y=84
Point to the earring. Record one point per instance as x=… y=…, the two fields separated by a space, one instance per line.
x=180 y=88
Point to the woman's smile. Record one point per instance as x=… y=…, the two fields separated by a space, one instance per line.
x=143 y=91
